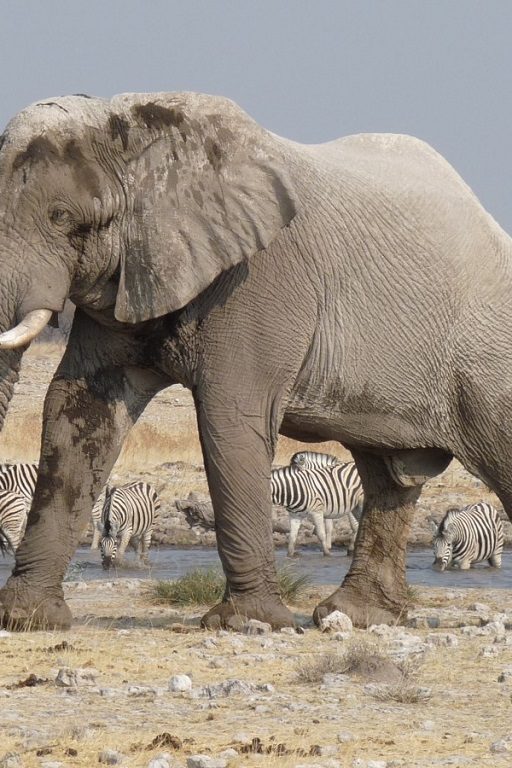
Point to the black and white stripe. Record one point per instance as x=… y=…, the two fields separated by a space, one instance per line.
x=468 y=535
x=312 y=460
x=20 y=478
x=129 y=513
x=13 y=519
x=323 y=493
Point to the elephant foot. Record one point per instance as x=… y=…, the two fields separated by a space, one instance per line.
x=363 y=609
x=23 y=608
x=236 y=611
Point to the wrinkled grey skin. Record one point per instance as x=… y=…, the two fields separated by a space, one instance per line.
x=354 y=291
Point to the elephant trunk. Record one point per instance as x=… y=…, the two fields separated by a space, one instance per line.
x=10 y=361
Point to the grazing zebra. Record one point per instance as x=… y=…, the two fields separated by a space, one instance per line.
x=324 y=493
x=311 y=460
x=13 y=519
x=129 y=512
x=20 y=478
x=468 y=535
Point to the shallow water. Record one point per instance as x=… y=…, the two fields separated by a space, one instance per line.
x=171 y=563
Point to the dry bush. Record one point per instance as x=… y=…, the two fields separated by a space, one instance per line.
x=361 y=657
x=403 y=692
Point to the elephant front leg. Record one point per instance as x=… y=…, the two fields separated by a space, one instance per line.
x=374 y=590
x=85 y=420
x=237 y=452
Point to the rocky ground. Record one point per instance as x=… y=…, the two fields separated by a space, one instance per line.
x=138 y=684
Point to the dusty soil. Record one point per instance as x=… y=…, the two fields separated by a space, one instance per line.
x=447 y=706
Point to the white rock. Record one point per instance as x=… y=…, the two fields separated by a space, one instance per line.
x=229 y=753
x=11 y=760
x=503 y=745
x=505 y=676
x=490 y=650
x=428 y=725
x=480 y=607
x=255 y=627
x=74 y=678
x=344 y=737
x=360 y=763
x=110 y=757
x=180 y=683
x=5 y=633
x=337 y=621
x=161 y=761
x=205 y=761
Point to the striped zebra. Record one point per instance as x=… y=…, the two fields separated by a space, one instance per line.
x=129 y=512
x=466 y=536
x=311 y=460
x=324 y=493
x=13 y=519
x=20 y=478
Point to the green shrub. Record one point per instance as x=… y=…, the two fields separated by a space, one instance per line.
x=206 y=587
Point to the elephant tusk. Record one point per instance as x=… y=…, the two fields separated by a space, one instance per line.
x=30 y=327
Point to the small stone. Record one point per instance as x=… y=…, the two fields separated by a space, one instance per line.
x=480 y=607
x=503 y=745
x=180 y=683
x=74 y=678
x=359 y=763
x=52 y=764
x=328 y=750
x=488 y=651
x=344 y=737
x=505 y=676
x=205 y=761
x=255 y=627
x=428 y=725
x=447 y=639
x=236 y=622
x=160 y=761
x=228 y=754
x=336 y=621
x=11 y=760
x=110 y=757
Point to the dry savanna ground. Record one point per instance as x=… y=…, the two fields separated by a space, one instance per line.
x=437 y=692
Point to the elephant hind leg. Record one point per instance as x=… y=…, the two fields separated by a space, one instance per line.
x=374 y=590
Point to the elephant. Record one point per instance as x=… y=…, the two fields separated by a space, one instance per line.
x=353 y=291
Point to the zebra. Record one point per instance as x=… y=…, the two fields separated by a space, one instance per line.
x=324 y=493
x=20 y=478
x=468 y=535
x=311 y=460
x=13 y=519
x=129 y=511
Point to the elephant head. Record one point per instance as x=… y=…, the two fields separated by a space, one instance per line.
x=131 y=207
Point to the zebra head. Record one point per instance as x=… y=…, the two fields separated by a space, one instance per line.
x=442 y=543
x=312 y=460
x=108 y=548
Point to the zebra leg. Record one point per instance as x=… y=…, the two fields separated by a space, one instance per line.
x=495 y=560
x=319 y=523
x=96 y=535
x=126 y=535
x=354 y=526
x=295 y=523
x=94 y=398
x=145 y=543
x=329 y=525
x=374 y=590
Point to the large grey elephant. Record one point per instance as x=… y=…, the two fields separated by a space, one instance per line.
x=352 y=291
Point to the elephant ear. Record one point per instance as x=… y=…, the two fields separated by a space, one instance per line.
x=209 y=189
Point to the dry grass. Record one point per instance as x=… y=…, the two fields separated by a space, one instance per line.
x=468 y=709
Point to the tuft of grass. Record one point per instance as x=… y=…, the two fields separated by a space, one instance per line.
x=197 y=587
x=403 y=692
x=363 y=658
x=206 y=587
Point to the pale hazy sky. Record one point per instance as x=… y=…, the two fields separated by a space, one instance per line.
x=310 y=70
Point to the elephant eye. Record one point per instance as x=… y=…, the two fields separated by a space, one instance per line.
x=59 y=216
